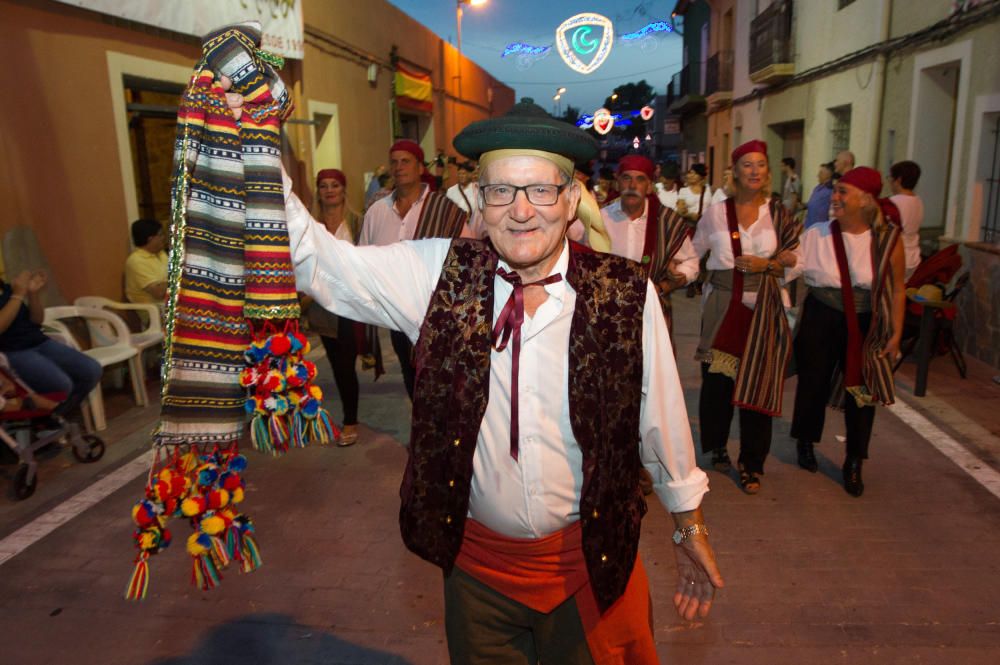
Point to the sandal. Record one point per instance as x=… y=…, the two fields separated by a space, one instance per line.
x=348 y=436
x=749 y=481
x=721 y=461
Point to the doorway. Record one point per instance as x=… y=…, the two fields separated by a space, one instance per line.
x=937 y=99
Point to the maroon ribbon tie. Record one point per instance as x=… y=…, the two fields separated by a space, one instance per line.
x=509 y=324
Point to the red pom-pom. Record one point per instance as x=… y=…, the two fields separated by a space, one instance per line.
x=280 y=345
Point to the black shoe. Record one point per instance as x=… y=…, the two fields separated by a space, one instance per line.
x=807 y=456
x=721 y=461
x=852 y=476
x=749 y=481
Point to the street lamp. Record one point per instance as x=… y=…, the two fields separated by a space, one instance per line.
x=557 y=107
x=458 y=24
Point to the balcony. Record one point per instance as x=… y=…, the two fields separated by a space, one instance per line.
x=771 y=44
x=689 y=97
x=719 y=80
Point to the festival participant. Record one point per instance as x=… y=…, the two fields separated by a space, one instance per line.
x=664 y=247
x=852 y=319
x=903 y=179
x=695 y=196
x=463 y=192
x=752 y=243
x=146 y=266
x=340 y=335
x=545 y=381
x=412 y=212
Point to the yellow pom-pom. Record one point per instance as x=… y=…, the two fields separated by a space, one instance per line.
x=223 y=498
x=147 y=540
x=191 y=507
x=213 y=525
x=315 y=393
x=237 y=495
x=195 y=548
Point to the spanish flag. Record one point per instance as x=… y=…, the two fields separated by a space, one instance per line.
x=413 y=90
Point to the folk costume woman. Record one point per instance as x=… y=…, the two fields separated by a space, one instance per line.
x=851 y=320
x=340 y=335
x=752 y=242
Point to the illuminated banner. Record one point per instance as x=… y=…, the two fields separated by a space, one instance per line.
x=575 y=41
x=603 y=121
x=281 y=20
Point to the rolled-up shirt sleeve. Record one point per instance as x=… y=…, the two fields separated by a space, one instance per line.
x=667 y=447
x=687 y=260
x=388 y=286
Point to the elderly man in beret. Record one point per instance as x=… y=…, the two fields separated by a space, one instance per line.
x=544 y=381
x=662 y=246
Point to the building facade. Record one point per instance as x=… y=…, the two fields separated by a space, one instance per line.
x=88 y=146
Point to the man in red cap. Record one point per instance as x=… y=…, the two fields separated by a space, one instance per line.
x=411 y=212
x=662 y=247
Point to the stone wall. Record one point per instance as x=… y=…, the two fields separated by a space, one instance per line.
x=978 y=325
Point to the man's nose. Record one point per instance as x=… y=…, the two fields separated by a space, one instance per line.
x=521 y=208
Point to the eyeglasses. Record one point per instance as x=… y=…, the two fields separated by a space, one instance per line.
x=538 y=194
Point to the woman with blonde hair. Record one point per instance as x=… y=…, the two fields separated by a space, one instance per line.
x=745 y=342
x=852 y=319
x=340 y=335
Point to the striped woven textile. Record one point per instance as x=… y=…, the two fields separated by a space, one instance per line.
x=879 y=387
x=440 y=218
x=671 y=230
x=760 y=379
x=229 y=259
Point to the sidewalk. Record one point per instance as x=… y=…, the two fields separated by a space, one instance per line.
x=906 y=574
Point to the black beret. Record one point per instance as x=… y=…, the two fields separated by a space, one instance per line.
x=526 y=126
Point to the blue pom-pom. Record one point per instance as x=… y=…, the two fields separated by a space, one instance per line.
x=238 y=463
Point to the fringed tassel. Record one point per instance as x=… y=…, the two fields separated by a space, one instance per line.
x=204 y=574
x=300 y=430
x=861 y=395
x=251 y=554
x=220 y=557
x=234 y=544
x=724 y=363
x=322 y=429
x=260 y=436
x=277 y=428
x=139 y=584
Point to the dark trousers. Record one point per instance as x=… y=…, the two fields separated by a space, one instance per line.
x=404 y=351
x=819 y=347
x=715 y=414
x=342 y=352
x=485 y=627
x=53 y=367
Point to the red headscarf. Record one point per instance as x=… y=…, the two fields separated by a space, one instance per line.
x=334 y=174
x=864 y=178
x=636 y=163
x=748 y=147
x=412 y=147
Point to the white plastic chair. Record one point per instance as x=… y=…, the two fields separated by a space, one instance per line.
x=150 y=336
x=112 y=344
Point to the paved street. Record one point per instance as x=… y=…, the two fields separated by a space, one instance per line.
x=910 y=573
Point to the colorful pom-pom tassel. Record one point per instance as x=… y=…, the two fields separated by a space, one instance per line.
x=139 y=584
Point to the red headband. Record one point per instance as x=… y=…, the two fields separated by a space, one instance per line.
x=748 y=147
x=335 y=174
x=865 y=179
x=412 y=147
x=636 y=163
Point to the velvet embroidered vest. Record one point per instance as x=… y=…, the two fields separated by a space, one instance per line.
x=452 y=360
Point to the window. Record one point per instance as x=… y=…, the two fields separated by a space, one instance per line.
x=152 y=122
x=840 y=128
x=991 y=220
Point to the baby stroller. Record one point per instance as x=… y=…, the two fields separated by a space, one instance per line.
x=25 y=428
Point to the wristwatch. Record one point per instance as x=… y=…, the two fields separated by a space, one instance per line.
x=684 y=533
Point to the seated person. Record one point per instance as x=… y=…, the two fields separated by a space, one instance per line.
x=15 y=395
x=146 y=267
x=43 y=363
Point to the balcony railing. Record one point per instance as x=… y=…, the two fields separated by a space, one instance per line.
x=674 y=89
x=687 y=84
x=771 y=43
x=719 y=73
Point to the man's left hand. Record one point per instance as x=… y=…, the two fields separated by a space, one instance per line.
x=698 y=577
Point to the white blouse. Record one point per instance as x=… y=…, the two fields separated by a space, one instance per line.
x=818 y=265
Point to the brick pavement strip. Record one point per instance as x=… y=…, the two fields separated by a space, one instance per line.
x=910 y=573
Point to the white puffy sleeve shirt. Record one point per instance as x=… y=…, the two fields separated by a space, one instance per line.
x=819 y=259
x=391 y=286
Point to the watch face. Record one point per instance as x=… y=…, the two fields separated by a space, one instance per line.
x=678 y=537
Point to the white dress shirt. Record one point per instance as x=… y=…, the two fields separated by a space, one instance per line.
x=392 y=286
x=628 y=239
x=818 y=262
x=692 y=200
x=759 y=239
x=384 y=225
x=667 y=197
